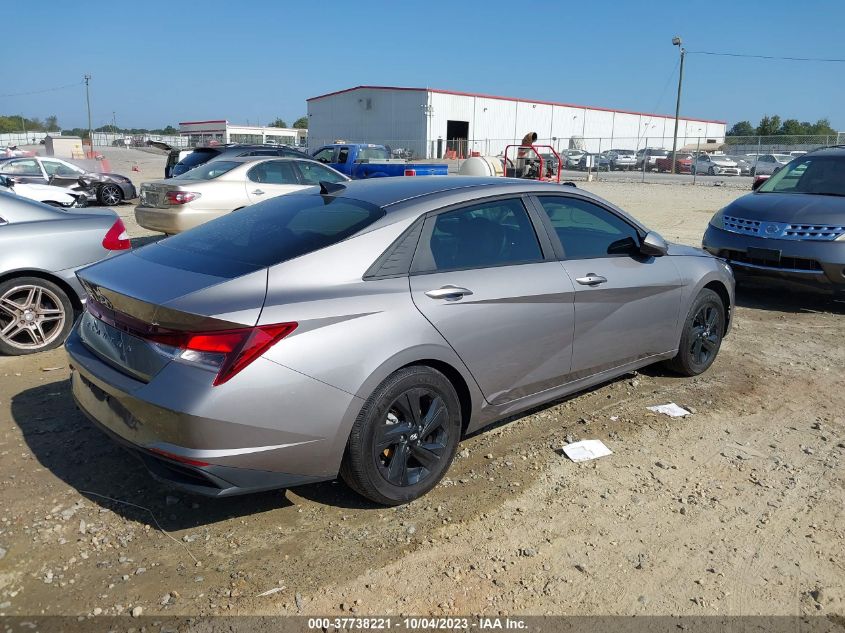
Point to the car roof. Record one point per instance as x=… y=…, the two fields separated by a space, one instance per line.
x=387 y=192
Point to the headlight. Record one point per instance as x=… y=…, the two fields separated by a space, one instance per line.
x=718 y=219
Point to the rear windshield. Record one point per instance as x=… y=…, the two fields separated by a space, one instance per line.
x=207 y=171
x=372 y=153
x=198 y=157
x=820 y=175
x=269 y=233
x=658 y=152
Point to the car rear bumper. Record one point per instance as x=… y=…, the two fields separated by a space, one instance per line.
x=174 y=220
x=817 y=264
x=212 y=441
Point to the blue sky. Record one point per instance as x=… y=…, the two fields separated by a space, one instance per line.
x=156 y=63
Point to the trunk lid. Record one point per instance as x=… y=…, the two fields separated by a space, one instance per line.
x=153 y=290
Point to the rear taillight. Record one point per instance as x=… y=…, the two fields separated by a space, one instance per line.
x=181 y=197
x=227 y=351
x=410 y=172
x=117 y=239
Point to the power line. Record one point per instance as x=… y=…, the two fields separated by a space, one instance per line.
x=38 y=92
x=791 y=59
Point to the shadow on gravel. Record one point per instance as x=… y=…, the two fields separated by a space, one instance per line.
x=787 y=299
x=138 y=242
x=68 y=445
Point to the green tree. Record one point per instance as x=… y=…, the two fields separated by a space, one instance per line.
x=51 y=123
x=741 y=128
x=793 y=127
x=822 y=126
x=301 y=123
x=769 y=125
x=279 y=122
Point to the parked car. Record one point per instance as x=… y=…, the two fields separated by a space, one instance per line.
x=792 y=228
x=683 y=163
x=201 y=155
x=571 y=158
x=588 y=161
x=365 y=160
x=768 y=164
x=651 y=155
x=220 y=186
x=622 y=159
x=48 y=194
x=743 y=163
x=714 y=165
x=104 y=189
x=365 y=327
x=41 y=248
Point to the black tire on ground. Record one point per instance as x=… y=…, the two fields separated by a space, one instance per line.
x=109 y=194
x=701 y=336
x=712 y=171
x=36 y=301
x=405 y=437
x=753 y=172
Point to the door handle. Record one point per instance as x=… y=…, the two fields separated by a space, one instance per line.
x=258 y=192
x=592 y=279
x=450 y=293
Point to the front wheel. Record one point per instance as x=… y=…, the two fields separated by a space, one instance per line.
x=712 y=171
x=405 y=437
x=702 y=335
x=109 y=195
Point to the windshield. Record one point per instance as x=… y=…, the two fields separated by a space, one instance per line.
x=783 y=158
x=197 y=157
x=623 y=152
x=209 y=170
x=658 y=152
x=372 y=153
x=820 y=175
x=270 y=232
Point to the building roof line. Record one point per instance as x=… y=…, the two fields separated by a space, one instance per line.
x=518 y=100
x=199 y=122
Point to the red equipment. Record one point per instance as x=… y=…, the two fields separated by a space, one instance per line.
x=527 y=167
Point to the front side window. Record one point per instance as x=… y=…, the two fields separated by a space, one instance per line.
x=325 y=155
x=26 y=167
x=496 y=233
x=274 y=172
x=55 y=168
x=314 y=173
x=586 y=230
x=343 y=155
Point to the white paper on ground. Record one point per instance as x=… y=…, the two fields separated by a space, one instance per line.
x=585 y=450
x=671 y=409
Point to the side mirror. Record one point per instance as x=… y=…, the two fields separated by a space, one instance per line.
x=654 y=245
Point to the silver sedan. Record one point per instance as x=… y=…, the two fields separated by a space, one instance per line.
x=363 y=329
x=40 y=249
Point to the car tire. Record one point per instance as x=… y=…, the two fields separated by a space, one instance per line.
x=49 y=307
x=701 y=337
x=392 y=466
x=109 y=194
x=711 y=171
x=754 y=172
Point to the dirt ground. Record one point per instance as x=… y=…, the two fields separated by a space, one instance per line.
x=737 y=509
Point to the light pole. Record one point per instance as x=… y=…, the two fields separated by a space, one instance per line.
x=676 y=41
x=88 y=102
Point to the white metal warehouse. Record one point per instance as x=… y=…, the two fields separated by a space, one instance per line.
x=432 y=122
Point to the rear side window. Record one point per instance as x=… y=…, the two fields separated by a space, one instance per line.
x=274 y=172
x=495 y=233
x=198 y=157
x=313 y=173
x=209 y=170
x=267 y=233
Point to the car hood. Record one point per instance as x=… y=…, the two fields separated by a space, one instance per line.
x=681 y=250
x=789 y=207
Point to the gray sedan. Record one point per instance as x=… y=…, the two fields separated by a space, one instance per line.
x=364 y=328
x=41 y=247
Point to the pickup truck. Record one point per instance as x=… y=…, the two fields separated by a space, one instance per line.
x=359 y=160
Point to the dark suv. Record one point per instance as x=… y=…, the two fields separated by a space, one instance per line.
x=792 y=228
x=202 y=155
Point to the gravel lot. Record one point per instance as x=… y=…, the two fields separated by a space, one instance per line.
x=738 y=509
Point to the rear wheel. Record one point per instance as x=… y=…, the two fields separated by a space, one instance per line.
x=35 y=315
x=702 y=335
x=404 y=438
x=109 y=195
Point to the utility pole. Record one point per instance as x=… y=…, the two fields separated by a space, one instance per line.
x=23 y=125
x=676 y=41
x=88 y=101
x=113 y=123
